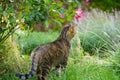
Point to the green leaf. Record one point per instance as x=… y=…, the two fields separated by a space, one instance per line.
x=59 y=4
x=11 y=19
x=1 y=10
x=61 y=11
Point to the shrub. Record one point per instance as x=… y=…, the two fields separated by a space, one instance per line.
x=10 y=59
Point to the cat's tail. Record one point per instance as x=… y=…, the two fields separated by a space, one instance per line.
x=32 y=71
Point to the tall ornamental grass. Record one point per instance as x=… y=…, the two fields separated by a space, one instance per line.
x=99 y=31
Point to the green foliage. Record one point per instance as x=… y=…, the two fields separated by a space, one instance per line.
x=98 y=31
x=29 y=40
x=96 y=42
x=105 y=4
x=85 y=71
x=78 y=68
x=115 y=60
x=99 y=34
x=82 y=70
x=25 y=14
x=4 y=66
x=10 y=60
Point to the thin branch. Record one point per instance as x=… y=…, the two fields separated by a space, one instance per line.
x=11 y=31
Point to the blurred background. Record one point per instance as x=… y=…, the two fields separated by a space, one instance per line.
x=95 y=50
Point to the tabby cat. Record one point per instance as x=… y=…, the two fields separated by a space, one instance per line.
x=49 y=55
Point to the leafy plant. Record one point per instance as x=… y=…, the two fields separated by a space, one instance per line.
x=25 y=14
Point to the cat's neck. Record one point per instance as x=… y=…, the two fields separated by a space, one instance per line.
x=64 y=41
x=61 y=37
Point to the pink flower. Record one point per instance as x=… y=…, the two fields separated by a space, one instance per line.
x=61 y=15
x=79 y=14
x=86 y=1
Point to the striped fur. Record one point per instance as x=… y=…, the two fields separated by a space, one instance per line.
x=49 y=55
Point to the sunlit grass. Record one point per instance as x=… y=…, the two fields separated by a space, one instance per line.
x=81 y=66
x=99 y=31
x=82 y=69
x=79 y=69
x=29 y=40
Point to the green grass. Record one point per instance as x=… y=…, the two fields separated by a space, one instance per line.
x=80 y=66
x=29 y=40
x=86 y=71
x=79 y=69
x=99 y=31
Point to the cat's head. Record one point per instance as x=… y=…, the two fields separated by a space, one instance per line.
x=68 y=31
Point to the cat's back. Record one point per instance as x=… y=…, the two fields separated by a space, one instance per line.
x=53 y=49
x=42 y=48
x=52 y=46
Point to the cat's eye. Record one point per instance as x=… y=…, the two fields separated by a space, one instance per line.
x=72 y=29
